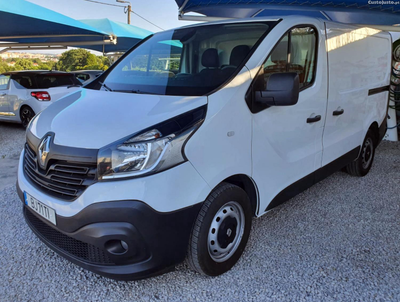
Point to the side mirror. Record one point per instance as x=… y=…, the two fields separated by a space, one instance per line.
x=282 y=90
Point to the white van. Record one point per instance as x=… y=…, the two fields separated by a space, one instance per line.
x=192 y=133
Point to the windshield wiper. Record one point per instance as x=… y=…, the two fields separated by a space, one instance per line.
x=105 y=86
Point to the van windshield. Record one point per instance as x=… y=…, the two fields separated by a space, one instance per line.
x=189 y=62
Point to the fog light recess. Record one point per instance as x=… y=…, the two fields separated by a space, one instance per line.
x=116 y=247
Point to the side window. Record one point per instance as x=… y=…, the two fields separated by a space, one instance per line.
x=23 y=81
x=295 y=52
x=4 y=81
x=277 y=61
x=302 y=57
x=82 y=76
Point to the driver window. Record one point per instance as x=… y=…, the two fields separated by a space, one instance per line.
x=277 y=61
x=295 y=52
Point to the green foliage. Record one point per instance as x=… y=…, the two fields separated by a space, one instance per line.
x=81 y=59
x=5 y=68
x=23 y=64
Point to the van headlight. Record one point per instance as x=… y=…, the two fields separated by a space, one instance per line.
x=151 y=151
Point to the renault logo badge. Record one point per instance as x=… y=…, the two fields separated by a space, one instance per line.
x=43 y=151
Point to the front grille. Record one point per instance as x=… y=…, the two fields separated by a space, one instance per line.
x=62 y=179
x=83 y=251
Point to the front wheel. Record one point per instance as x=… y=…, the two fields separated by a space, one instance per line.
x=361 y=166
x=26 y=116
x=221 y=231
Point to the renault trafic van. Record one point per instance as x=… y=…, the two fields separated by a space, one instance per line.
x=193 y=132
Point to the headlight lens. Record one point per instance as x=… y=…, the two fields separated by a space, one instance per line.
x=146 y=153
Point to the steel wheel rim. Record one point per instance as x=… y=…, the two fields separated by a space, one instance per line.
x=367 y=153
x=227 y=226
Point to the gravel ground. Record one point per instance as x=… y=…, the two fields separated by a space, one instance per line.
x=12 y=139
x=338 y=241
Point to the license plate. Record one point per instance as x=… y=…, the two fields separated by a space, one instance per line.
x=40 y=208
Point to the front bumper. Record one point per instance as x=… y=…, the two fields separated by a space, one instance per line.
x=156 y=241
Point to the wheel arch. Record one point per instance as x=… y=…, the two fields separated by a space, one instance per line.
x=249 y=186
x=23 y=106
x=375 y=130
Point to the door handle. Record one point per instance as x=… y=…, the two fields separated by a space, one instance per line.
x=314 y=119
x=3 y=94
x=338 y=112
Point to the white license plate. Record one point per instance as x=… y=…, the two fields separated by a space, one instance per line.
x=40 y=208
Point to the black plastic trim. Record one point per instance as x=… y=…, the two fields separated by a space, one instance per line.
x=63 y=153
x=311 y=179
x=382 y=129
x=378 y=90
x=162 y=237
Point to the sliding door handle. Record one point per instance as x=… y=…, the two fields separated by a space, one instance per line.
x=3 y=94
x=338 y=112
x=314 y=119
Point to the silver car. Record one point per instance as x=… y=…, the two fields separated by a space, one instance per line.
x=23 y=94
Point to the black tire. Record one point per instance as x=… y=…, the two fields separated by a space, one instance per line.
x=361 y=166
x=226 y=201
x=26 y=115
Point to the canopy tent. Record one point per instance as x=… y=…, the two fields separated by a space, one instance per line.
x=346 y=11
x=25 y=25
x=127 y=35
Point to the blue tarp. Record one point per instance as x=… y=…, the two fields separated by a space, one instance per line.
x=24 y=22
x=127 y=35
x=347 y=11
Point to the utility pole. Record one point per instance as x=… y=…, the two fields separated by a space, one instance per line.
x=128 y=9
x=129 y=13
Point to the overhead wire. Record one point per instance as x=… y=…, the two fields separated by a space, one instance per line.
x=110 y=4
x=125 y=10
x=146 y=20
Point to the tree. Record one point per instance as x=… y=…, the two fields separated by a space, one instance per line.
x=4 y=67
x=79 y=59
x=24 y=64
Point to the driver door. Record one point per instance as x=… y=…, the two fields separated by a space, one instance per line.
x=287 y=140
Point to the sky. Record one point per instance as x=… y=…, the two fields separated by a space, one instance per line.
x=164 y=13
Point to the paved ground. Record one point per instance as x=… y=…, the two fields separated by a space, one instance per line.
x=338 y=241
x=12 y=137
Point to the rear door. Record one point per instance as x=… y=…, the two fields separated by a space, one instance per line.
x=287 y=140
x=358 y=62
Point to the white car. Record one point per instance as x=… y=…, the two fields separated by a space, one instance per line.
x=173 y=150
x=23 y=94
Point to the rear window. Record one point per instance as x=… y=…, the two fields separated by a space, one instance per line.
x=55 y=80
x=44 y=81
x=4 y=81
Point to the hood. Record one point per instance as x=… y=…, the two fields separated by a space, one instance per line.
x=93 y=119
